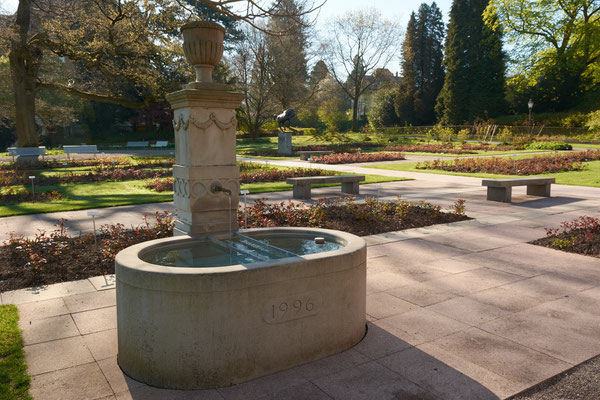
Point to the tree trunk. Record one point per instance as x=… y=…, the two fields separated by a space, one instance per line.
x=24 y=63
x=355 y=114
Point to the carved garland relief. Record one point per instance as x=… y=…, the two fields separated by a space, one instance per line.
x=179 y=123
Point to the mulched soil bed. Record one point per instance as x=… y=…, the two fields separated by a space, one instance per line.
x=343 y=219
x=56 y=257
x=565 y=242
x=581 y=236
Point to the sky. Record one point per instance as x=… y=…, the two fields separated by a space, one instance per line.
x=390 y=9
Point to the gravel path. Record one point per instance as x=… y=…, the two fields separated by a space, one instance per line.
x=581 y=382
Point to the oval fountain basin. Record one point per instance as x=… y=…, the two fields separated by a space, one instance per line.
x=218 y=312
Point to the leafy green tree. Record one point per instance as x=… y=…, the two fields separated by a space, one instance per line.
x=122 y=52
x=381 y=109
x=422 y=71
x=475 y=66
x=557 y=48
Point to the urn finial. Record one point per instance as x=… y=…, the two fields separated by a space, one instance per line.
x=203 y=47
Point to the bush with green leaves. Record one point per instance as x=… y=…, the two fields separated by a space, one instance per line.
x=593 y=121
x=549 y=146
x=381 y=109
x=333 y=113
x=505 y=135
x=463 y=135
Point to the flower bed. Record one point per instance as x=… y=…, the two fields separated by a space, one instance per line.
x=509 y=166
x=58 y=257
x=19 y=196
x=578 y=236
x=429 y=148
x=263 y=175
x=368 y=218
x=96 y=162
x=8 y=178
x=347 y=158
x=488 y=147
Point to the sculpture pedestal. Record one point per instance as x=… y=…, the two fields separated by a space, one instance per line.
x=204 y=123
x=284 y=143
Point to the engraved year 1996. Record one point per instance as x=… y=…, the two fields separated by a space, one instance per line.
x=292 y=307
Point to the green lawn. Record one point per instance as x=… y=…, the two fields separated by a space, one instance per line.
x=585 y=145
x=81 y=196
x=589 y=177
x=14 y=380
x=89 y=195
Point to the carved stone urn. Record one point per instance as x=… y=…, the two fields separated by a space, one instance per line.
x=203 y=47
x=206 y=177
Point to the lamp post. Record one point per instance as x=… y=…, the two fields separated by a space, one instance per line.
x=530 y=105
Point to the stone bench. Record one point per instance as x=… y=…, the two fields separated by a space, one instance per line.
x=26 y=151
x=501 y=189
x=302 y=185
x=305 y=155
x=80 y=149
x=138 y=144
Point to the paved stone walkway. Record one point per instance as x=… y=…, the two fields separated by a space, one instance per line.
x=466 y=310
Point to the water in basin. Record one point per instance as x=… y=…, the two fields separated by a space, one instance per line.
x=239 y=249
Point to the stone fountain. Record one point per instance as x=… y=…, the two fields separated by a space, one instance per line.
x=206 y=176
x=214 y=306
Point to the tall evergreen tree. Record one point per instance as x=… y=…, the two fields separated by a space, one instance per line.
x=404 y=103
x=423 y=75
x=475 y=66
x=287 y=51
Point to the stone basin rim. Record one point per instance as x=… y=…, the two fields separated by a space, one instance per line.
x=131 y=255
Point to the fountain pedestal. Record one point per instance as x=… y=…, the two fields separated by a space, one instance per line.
x=204 y=124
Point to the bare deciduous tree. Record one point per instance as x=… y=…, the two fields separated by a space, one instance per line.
x=357 y=43
x=250 y=66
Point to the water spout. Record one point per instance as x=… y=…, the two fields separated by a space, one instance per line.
x=216 y=187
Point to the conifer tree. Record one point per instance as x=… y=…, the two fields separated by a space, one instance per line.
x=475 y=66
x=423 y=75
x=404 y=103
x=287 y=51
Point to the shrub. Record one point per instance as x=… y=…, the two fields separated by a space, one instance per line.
x=333 y=113
x=463 y=135
x=593 y=121
x=504 y=135
x=347 y=158
x=549 y=146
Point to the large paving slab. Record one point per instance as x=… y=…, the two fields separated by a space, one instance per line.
x=467 y=310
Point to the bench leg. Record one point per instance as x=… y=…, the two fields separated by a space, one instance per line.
x=302 y=191
x=350 y=187
x=503 y=194
x=539 y=190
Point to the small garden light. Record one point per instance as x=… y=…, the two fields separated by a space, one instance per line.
x=530 y=106
x=32 y=177
x=93 y=214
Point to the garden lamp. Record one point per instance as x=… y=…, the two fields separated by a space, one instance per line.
x=530 y=105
